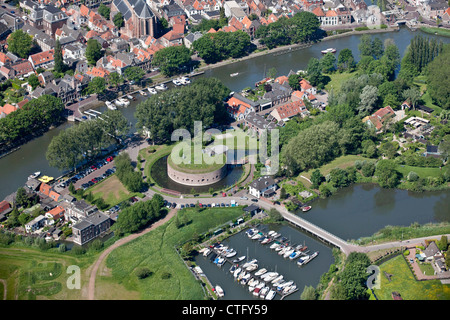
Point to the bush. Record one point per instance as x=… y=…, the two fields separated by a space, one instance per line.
x=406 y=253
x=368 y=169
x=143 y=273
x=412 y=176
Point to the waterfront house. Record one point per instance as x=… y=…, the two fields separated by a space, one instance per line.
x=90 y=228
x=278 y=94
x=286 y=111
x=36 y=224
x=379 y=118
x=191 y=37
x=55 y=213
x=262 y=187
x=252 y=209
x=257 y=124
x=239 y=107
x=79 y=209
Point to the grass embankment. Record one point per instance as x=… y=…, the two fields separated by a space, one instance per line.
x=403 y=282
x=439 y=31
x=150 y=155
x=35 y=274
x=169 y=278
x=112 y=191
x=336 y=81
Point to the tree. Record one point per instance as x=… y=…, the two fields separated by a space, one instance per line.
x=346 y=59
x=171 y=60
x=20 y=43
x=327 y=62
x=365 y=45
x=437 y=79
x=134 y=74
x=58 y=58
x=387 y=174
x=444 y=147
x=104 y=11
x=309 y=293
x=93 y=51
x=368 y=99
x=412 y=95
x=294 y=81
x=96 y=86
x=33 y=81
x=316 y=178
x=118 y=20
x=115 y=79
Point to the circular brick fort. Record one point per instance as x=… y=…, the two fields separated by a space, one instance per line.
x=196 y=179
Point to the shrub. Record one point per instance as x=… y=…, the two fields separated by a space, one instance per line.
x=143 y=273
x=412 y=176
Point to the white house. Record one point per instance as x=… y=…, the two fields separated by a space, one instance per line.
x=262 y=187
x=36 y=224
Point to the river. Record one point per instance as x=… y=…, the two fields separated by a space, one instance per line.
x=15 y=167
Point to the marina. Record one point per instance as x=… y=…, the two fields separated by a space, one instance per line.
x=256 y=273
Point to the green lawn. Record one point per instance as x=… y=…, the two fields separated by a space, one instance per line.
x=439 y=31
x=170 y=278
x=336 y=81
x=340 y=162
x=404 y=283
x=34 y=274
x=423 y=172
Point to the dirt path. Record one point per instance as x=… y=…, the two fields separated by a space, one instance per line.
x=102 y=257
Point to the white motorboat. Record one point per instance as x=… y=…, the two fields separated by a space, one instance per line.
x=263 y=292
x=34 y=175
x=266 y=240
x=130 y=97
x=152 y=90
x=234 y=74
x=185 y=80
x=280 y=247
x=122 y=102
x=206 y=252
x=237 y=272
x=231 y=253
x=260 y=272
x=303 y=260
x=233 y=268
x=284 y=285
x=253 y=261
x=241 y=275
x=332 y=50
x=270 y=276
x=271 y=232
x=288 y=253
x=270 y=295
x=276 y=235
x=257 y=236
x=177 y=82
x=161 y=87
x=239 y=259
x=142 y=93
x=221 y=261
x=289 y=289
x=283 y=251
x=219 y=291
x=294 y=255
x=245 y=278
x=277 y=279
x=274 y=245
x=110 y=105
x=252 y=267
x=251 y=232
x=252 y=285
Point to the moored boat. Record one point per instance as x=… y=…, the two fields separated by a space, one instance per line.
x=306 y=208
x=270 y=295
x=219 y=291
x=152 y=90
x=260 y=272
x=161 y=87
x=332 y=50
x=142 y=93
x=110 y=105
x=34 y=175
x=239 y=259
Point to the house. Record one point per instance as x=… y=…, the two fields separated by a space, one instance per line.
x=191 y=37
x=278 y=94
x=432 y=151
x=47 y=18
x=432 y=251
x=286 y=111
x=262 y=187
x=56 y=213
x=78 y=210
x=239 y=107
x=36 y=224
x=379 y=118
x=252 y=209
x=90 y=228
x=257 y=124
x=43 y=60
x=5 y=209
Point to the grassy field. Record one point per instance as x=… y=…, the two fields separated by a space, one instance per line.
x=336 y=81
x=34 y=274
x=439 y=31
x=340 y=162
x=403 y=282
x=169 y=279
x=423 y=172
x=111 y=190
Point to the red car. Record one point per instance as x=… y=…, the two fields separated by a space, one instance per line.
x=93 y=167
x=109 y=159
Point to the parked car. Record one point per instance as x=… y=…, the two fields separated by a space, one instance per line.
x=244 y=198
x=255 y=200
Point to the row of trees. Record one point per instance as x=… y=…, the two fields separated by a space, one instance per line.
x=85 y=141
x=221 y=45
x=302 y=27
x=178 y=108
x=139 y=215
x=131 y=179
x=37 y=115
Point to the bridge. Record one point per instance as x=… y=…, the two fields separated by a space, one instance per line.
x=311 y=228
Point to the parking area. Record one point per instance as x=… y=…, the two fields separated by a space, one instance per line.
x=89 y=176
